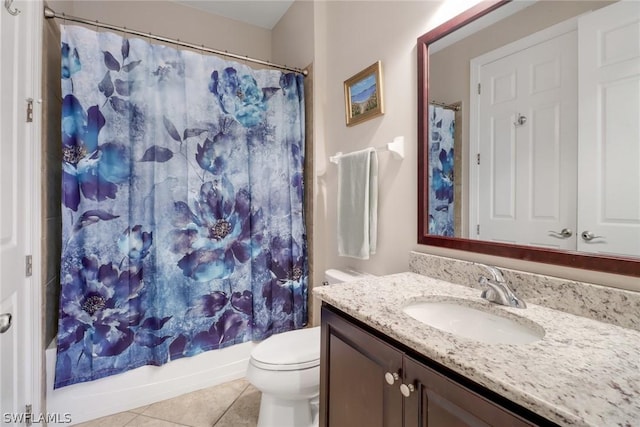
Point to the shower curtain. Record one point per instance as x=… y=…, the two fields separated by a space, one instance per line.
x=441 y=167
x=182 y=197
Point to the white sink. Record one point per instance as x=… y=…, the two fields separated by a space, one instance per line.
x=479 y=325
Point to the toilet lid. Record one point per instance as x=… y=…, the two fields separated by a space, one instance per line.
x=293 y=350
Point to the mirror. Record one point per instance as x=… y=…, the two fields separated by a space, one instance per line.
x=461 y=203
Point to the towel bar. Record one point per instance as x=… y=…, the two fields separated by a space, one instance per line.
x=396 y=147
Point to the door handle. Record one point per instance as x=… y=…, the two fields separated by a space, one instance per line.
x=8 y=4
x=5 y=322
x=520 y=121
x=564 y=233
x=588 y=236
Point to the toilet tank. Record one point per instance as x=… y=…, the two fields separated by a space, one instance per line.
x=333 y=275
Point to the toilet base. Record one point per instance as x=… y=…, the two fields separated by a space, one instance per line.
x=277 y=412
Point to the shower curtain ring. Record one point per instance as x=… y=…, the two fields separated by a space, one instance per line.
x=8 y=4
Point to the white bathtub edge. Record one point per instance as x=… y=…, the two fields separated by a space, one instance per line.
x=143 y=386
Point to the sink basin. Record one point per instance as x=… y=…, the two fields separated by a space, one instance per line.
x=472 y=323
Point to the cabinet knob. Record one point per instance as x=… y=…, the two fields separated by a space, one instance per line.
x=391 y=378
x=407 y=389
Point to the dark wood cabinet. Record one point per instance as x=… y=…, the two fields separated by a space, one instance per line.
x=367 y=380
x=353 y=365
x=439 y=401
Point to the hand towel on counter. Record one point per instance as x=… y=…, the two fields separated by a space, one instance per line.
x=358 y=203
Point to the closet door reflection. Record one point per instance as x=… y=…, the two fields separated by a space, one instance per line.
x=524 y=177
x=609 y=176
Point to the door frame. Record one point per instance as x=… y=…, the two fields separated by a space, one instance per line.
x=32 y=12
x=475 y=66
x=35 y=78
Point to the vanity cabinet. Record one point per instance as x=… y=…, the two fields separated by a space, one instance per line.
x=440 y=401
x=353 y=365
x=367 y=380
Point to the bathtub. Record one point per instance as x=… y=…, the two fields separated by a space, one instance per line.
x=142 y=386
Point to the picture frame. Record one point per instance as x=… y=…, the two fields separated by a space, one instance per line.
x=363 y=95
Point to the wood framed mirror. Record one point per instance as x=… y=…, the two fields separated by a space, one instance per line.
x=610 y=262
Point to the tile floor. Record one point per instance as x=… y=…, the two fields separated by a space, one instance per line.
x=232 y=404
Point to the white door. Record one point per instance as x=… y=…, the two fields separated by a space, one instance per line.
x=609 y=130
x=17 y=164
x=527 y=139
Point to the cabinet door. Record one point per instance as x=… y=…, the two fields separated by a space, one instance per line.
x=353 y=389
x=438 y=401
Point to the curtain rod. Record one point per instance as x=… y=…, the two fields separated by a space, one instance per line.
x=50 y=14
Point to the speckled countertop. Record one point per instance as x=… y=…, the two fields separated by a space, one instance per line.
x=581 y=373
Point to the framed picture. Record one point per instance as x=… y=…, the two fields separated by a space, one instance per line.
x=363 y=95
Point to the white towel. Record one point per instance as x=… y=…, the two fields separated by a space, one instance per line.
x=358 y=204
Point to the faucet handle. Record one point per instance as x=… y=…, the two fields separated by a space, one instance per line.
x=492 y=284
x=499 y=292
x=496 y=274
x=488 y=294
x=493 y=292
x=517 y=302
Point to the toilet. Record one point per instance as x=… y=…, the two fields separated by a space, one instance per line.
x=286 y=369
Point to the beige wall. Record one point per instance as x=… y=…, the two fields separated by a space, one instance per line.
x=51 y=177
x=293 y=44
x=320 y=152
x=176 y=21
x=340 y=38
x=355 y=35
x=351 y=35
x=292 y=37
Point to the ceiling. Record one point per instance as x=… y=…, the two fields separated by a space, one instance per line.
x=261 y=13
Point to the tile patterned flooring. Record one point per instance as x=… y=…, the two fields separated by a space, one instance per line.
x=232 y=404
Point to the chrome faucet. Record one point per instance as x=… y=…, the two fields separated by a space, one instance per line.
x=499 y=292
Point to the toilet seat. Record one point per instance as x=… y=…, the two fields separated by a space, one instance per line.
x=289 y=351
x=288 y=367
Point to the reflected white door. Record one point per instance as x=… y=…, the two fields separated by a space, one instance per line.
x=15 y=218
x=609 y=130
x=527 y=142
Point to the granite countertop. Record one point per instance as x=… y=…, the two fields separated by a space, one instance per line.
x=581 y=373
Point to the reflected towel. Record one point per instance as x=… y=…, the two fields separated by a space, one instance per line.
x=358 y=204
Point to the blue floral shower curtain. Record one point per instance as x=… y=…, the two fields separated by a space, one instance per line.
x=182 y=197
x=441 y=177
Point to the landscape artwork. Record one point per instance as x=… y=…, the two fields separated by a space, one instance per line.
x=363 y=95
